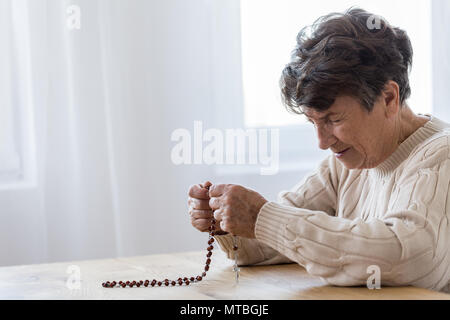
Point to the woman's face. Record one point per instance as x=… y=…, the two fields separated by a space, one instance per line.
x=359 y=139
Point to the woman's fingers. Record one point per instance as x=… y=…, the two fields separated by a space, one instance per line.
x=199 y=192
x=201 y=224
x=199 y=204
x=201 y=214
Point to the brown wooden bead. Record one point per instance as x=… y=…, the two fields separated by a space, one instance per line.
x=166 y=281
x=235 y=248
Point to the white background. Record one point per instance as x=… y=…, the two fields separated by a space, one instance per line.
x=92 y=112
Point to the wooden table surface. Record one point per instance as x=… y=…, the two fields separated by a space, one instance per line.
x=290 y=281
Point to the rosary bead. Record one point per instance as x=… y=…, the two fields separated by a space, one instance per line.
x=180 y=280
x=235 y=248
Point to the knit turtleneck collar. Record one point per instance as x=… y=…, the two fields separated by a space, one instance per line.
x=402 y=152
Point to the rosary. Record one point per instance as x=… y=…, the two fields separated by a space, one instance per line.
x=186 y=281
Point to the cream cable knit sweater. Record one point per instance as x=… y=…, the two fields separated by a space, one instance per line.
x=337 y=222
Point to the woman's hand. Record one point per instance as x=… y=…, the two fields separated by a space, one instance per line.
x=236 y=208
x=199 y=209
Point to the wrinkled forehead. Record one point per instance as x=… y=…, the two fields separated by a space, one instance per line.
x=312 y=113
x=340 y=104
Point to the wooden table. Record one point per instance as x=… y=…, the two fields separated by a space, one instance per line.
x=50 y=281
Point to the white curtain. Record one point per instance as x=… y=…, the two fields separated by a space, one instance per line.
x=104 y=100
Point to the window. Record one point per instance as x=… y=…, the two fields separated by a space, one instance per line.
x=17 y=144
x=9 y=159
x=268 y=35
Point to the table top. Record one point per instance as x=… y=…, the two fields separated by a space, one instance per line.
x=287 y=282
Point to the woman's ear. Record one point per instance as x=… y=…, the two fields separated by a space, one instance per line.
x=391 y=96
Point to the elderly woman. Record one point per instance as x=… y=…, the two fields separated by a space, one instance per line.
x=381 y=198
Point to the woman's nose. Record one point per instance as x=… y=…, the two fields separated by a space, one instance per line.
x=326 y=138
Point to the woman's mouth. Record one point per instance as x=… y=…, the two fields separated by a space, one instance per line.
x=341 y=153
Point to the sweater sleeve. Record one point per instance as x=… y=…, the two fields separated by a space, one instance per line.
x=316 y=191
x=408 y=242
